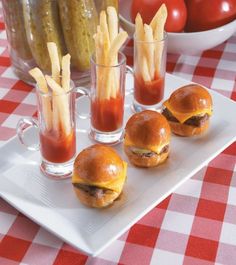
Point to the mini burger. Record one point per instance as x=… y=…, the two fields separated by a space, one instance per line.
x=188 y=110
x=98 y=176
x=147 y=138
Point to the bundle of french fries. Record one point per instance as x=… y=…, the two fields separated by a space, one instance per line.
x=149 y=48
x=108 y=42
x=54 y=97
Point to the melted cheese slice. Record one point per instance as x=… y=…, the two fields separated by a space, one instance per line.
x=153 y=148
x=115 y=185
x=182 y=117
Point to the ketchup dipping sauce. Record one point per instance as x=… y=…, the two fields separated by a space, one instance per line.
x=107 y=114
x=58 y=147
x=148 y=93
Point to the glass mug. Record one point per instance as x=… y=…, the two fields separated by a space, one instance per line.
x=57 y=132
x=149 y=73
x=107 y=95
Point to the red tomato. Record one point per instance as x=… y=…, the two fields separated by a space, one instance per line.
x=208 y=14
x=177 y=13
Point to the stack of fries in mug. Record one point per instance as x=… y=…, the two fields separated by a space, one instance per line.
x=149 y=47
x=108 y=42
x=54 y=97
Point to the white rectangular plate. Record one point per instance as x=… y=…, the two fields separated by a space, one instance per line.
x=53 y=204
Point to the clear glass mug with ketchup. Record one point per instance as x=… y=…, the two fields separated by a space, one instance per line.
x=107 y=95
x=57 y=132
x=149 y=73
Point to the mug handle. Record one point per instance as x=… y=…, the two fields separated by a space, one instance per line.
x=129 y=70
x=24 y=124
x=85 y=94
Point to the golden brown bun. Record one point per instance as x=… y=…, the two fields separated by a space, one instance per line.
x=99 y=166
x=188 y=130
x=190 y=98
x=94 y=164
x=141 y=161
x=94 y=202
x=148 y=130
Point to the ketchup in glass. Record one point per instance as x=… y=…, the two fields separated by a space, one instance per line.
x=57 y=147
x=148 y=93
x=107 y=114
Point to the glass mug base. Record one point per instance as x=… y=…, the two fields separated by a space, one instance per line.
x=110 y=138
x=57 y=171
x=137 y=107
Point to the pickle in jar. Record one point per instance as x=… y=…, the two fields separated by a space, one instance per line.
x=42 y=25
x=79 y=21
x=16 y=35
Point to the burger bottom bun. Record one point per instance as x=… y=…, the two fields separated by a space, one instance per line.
x=142 y=161
x=182 y=129
x=94 y=202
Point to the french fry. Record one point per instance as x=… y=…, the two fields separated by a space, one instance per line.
x=101 y=45
x=105 y=43
x=139 y=30
x=139 y=35
x=112 y=22
x=104 y=92
x=149 y=49
x=65 y=65
x=97 y=58
x=55 y=114
x=113 y=31
x=116 y=45
x=98 y=46
x=158 y=23
x=65 y=82
x=144 y=70
x=55 y=62
x=62 y=103
x=37 y=74
x=105 y=34
x=46 y=104
x=55 y=68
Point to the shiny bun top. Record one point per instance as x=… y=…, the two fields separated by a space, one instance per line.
x=147 y=129
x=98 y=164
x=189 y=99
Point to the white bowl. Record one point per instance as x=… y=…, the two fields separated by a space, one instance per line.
x=183 y=43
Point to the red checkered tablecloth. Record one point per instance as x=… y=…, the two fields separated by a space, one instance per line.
x=196 y=225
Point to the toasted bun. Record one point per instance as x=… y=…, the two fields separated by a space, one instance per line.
x=93 y=165
x=148 y=130
x=141 y=161
x=188 y=130
x=99 y=166
x=190 y=98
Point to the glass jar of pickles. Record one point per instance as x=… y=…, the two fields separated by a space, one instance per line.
x=71 y=24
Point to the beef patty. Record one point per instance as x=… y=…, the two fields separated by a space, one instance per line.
x=92 y=190
x=197 y=121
